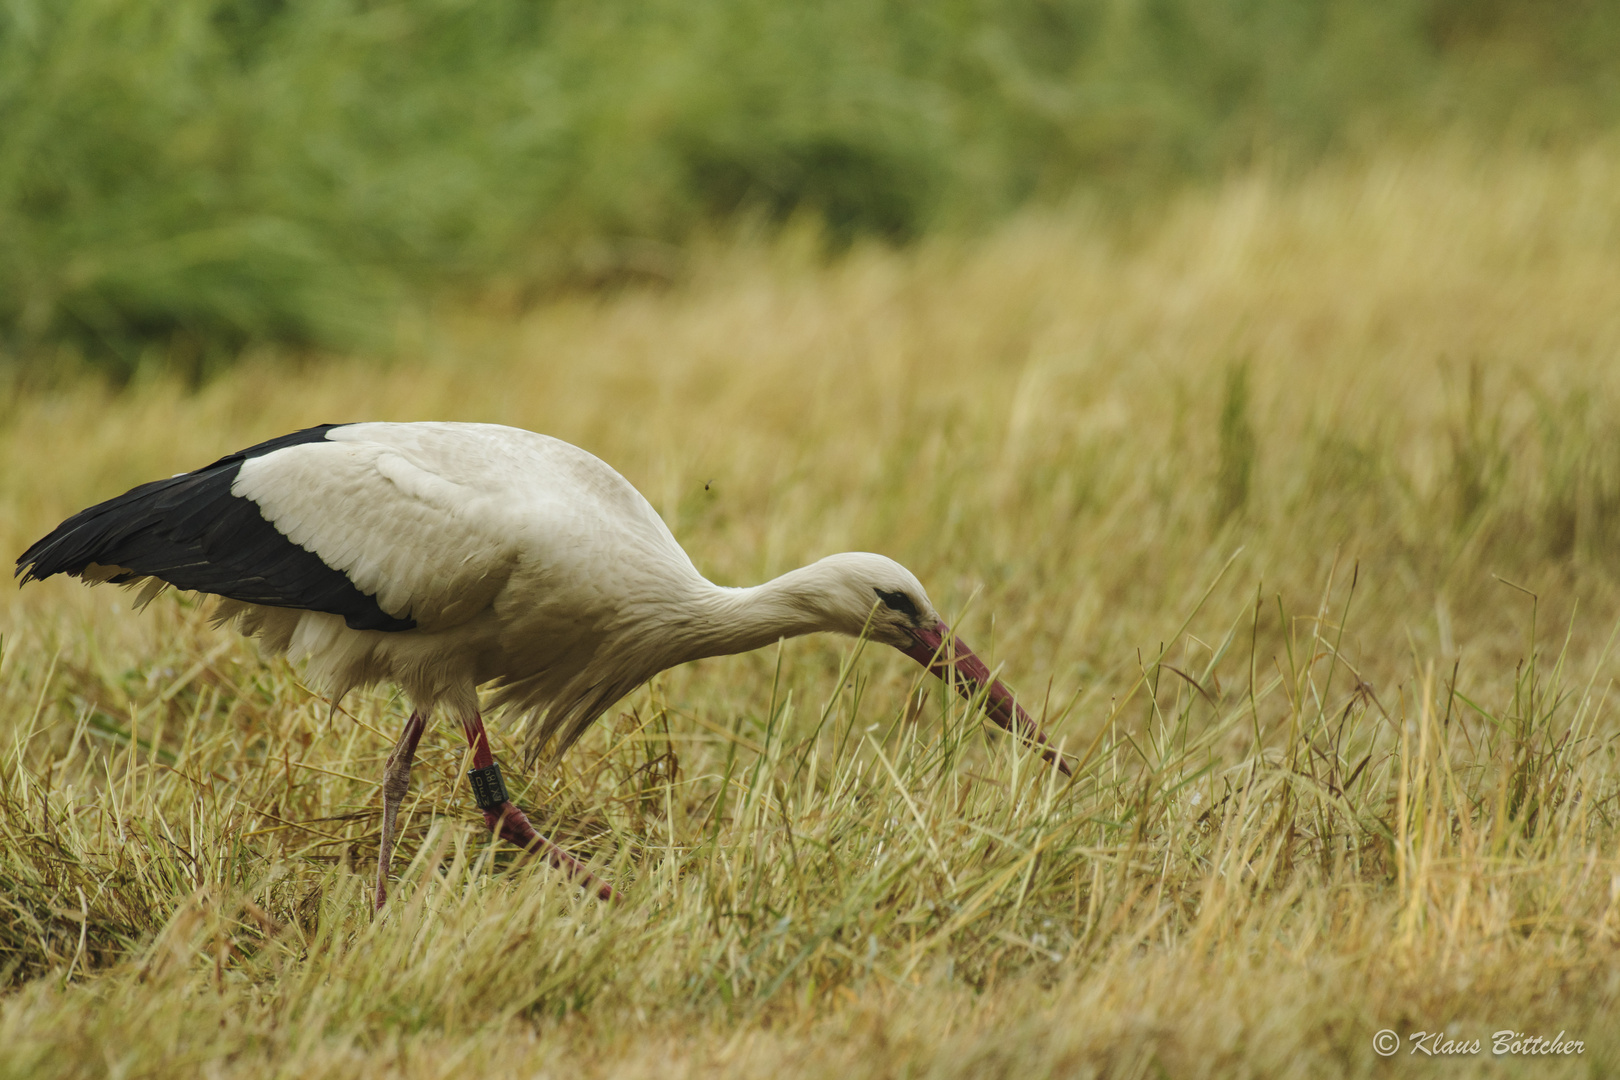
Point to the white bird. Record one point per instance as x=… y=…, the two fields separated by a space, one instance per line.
x=446 y=556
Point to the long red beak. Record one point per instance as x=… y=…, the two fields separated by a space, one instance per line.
x=942 y=652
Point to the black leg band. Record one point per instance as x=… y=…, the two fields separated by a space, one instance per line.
x=489 y=790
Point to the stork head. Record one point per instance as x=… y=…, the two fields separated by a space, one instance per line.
x=861 y=593
x=871 y=594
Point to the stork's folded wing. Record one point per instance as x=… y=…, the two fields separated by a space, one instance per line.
x=430 y=548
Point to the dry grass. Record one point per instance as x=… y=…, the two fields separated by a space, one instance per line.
x=1297 y=511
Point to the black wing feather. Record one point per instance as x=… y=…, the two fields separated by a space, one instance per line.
x=191 y=532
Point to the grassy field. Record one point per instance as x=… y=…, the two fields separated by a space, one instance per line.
x=1295 y=510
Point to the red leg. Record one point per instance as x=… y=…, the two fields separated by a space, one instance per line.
x=514 y=827
x=396 y=782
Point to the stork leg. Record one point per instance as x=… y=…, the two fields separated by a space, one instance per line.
x=396 y=782
x=502 y=817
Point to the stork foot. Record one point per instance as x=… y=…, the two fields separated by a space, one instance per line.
x=514 y=827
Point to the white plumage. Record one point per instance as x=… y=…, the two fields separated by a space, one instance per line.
x=448 y=556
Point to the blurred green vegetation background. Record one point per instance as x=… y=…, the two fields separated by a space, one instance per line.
x=180 y=179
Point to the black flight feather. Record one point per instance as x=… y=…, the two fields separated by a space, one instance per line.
x=191 y=532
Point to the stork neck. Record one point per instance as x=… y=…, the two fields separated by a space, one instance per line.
x=724 y=621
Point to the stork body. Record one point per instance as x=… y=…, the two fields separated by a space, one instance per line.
x=446 y=556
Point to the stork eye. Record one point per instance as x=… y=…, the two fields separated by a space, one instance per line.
x=898 y=601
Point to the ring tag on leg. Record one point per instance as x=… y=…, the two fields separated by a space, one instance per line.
x=489 y=790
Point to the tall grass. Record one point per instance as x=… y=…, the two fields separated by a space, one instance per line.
x=182 y=179
x=1346 y=753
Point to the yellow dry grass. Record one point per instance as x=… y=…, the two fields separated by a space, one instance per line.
x=1295 y=510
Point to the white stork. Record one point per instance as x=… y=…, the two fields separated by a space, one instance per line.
x=445 y=556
